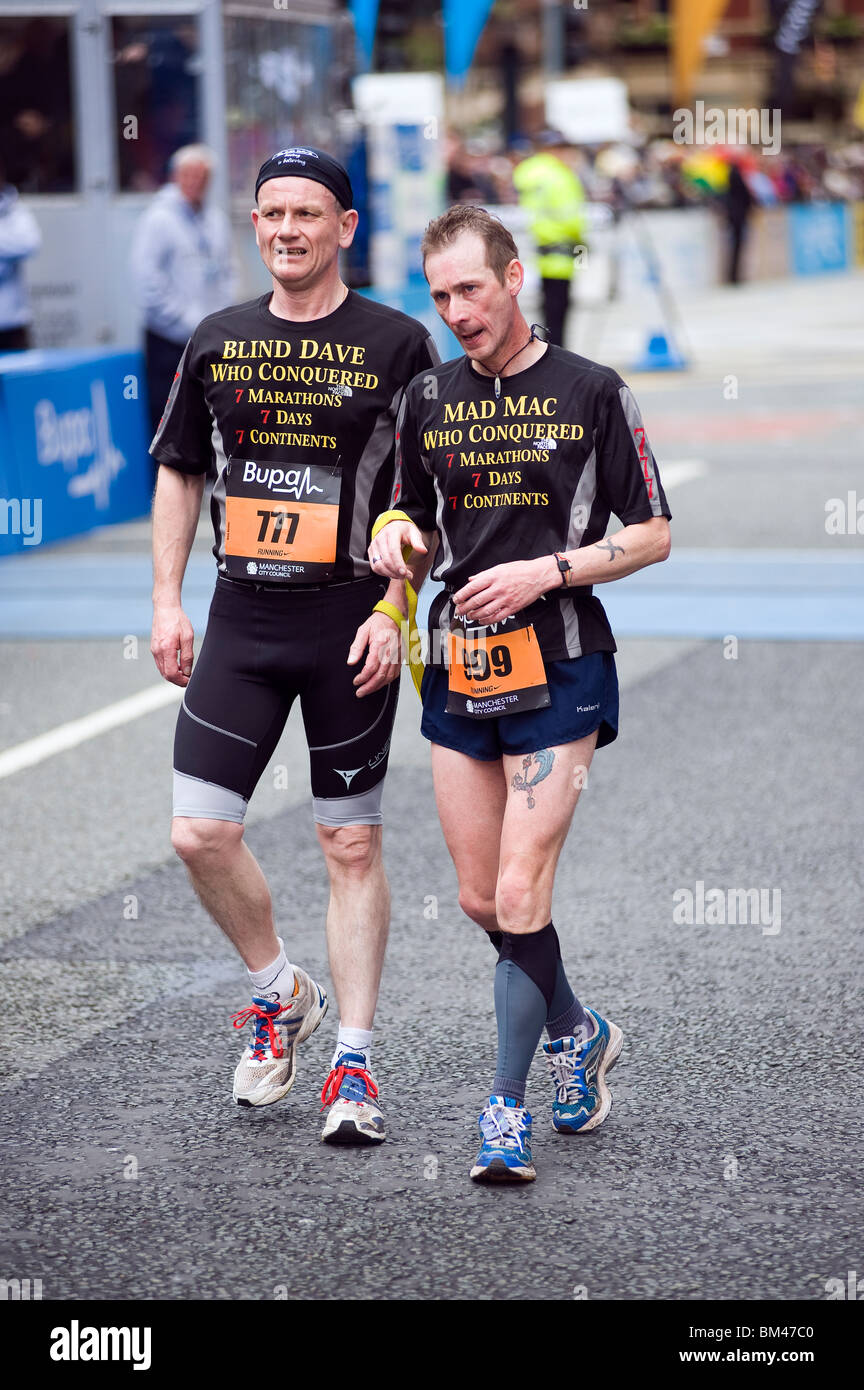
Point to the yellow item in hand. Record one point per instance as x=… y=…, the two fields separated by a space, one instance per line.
x=412 y=640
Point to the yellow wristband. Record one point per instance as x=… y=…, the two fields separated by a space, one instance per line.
x=408 y=628
x=415 y=662
x=390 y=611
x=384 y=520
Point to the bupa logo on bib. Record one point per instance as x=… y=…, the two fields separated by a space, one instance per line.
x=287 y=482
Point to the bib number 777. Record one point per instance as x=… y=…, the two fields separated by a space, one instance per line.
x=279 y=518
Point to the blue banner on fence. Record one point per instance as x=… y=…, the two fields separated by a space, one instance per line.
x=818 y=237
x=75 y=441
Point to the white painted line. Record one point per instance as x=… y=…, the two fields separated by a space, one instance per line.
x=67 y=736
x=681 y=471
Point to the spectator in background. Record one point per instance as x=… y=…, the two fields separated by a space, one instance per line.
x=738 y=205
x=182 y=265
x=467 y=180
x=20 y=237
x=553 y=196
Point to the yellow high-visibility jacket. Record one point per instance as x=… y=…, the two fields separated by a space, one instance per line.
x=555 y=200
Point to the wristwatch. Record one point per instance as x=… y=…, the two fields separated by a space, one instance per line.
x=564 y=566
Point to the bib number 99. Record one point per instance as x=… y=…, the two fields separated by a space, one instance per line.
x=477 y=662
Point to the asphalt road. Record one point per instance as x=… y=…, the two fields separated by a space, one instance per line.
x=729 y=1167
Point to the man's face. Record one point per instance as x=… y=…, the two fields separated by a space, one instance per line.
x=469 y=296
x=300 y=228
x=192 y=180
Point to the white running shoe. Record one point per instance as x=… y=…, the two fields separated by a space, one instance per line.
x=352 y=1094
x=268 y=1067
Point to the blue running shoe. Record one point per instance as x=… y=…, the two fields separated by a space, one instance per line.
x=583 y=1100
x=505 y=1154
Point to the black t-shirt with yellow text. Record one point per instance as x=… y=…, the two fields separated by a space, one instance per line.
x=540 y=468
x=297 y=421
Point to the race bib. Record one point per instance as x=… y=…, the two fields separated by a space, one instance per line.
x=495 y=670
x=281 y=522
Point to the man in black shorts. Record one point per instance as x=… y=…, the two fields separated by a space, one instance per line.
x=515 y=456
x=292 y=399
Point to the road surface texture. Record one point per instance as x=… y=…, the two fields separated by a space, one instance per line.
x=730 y=1164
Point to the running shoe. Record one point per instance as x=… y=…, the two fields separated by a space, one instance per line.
x=350 y=1096
x=505 y=1153
x=268 y=1067
x=583 y=1100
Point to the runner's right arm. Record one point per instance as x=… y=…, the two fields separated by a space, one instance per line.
x=413 y=494
x=176 y=508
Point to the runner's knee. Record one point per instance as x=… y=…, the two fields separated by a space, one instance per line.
x=350 y=849
x=516 y=897
x=479 y=906
x=199 y=839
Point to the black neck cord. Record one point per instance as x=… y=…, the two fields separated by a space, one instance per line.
x=509 y=360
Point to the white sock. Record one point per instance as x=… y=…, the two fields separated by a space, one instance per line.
x=276 y=980
x=353 y=1040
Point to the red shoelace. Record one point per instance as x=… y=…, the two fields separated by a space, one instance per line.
x=335 y=1079
x=262 y=1016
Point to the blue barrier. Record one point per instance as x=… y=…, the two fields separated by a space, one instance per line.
x=819 y=238
x=73 y=444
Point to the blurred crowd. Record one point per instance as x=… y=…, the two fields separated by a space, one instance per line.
x=662 y=174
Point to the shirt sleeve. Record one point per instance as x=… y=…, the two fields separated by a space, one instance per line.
x=626 y=465
x=413 y=489
x=184 y=437
x=425 y=356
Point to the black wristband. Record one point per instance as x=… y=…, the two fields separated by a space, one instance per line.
x=564 y=566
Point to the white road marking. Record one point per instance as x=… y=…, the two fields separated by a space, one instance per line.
x=77 y=731
x=67 y=736
x=681 y=471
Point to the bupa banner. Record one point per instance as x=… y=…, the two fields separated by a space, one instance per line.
x=75 y=444
x=463 y=25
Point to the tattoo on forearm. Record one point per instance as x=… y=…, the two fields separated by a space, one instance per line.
x=608 y=545
x=544 y=760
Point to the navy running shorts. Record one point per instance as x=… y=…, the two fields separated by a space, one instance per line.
x=584 y=696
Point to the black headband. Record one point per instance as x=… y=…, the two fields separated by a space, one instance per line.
x=303 y=162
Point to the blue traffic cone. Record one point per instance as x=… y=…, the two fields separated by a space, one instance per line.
x=660 y=355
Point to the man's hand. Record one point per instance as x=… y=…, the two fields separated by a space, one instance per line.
x=503 y=590
x=171 y=642
x=384 y=660
x=385 y=552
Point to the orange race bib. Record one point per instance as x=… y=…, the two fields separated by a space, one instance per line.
x=281 y=521
x=495 y=670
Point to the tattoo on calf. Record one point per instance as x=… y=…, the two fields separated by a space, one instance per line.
x=608 y=545
x=544 y=760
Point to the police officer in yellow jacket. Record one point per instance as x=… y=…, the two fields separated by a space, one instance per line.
x=554 y=198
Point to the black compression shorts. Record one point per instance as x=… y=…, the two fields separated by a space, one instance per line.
x=262 y=648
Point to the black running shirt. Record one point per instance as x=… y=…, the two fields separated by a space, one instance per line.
x=538 y=469
x=280 y=395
